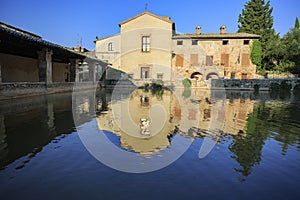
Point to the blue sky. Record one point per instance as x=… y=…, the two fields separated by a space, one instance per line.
x=66 y=22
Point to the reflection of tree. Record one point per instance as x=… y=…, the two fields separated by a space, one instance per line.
x=248 y=148
x=268 y=119
x=285 y=125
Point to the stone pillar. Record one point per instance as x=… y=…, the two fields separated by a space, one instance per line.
x=74 y=65
x=49 y=66
x=45 y=65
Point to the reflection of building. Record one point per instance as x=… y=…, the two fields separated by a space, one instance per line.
x=237 y=112
x=229 y=116
x=192 y=116
x=147 y=42
x=140 y=104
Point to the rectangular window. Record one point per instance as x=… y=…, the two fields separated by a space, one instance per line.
x=179 y=42
x=246 y=42
x=209 y=60
x=225 y=42
x=145 y=72
x=160 y=76
x=244 y=76
x=179 y=60
x=145 y=43
x=194 y=60
x=194 y=42
x=245 y=60
x=232 y=75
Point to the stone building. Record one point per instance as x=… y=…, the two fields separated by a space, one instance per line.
x=34 y=65
x=148 y=47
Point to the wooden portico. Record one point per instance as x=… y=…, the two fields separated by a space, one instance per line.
x=26 y=57
x=28 y=62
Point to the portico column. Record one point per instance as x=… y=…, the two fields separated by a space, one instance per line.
x=74 y=65
x=45 y=65
x=49 y=66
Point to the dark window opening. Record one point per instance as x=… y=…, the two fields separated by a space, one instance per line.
x=110 y=46
x=145 y=72
x=246 y=42
x=194 y=42
x=179 y=42
x=160 y=76
x=225 y=42
x=232 y=76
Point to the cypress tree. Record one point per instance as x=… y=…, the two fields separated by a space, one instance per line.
x=296 y=24
x=256 y=18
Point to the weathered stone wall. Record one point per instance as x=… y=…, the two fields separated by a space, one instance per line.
x=60 y=72
x=263 y=84
x=236 y=51
x=17 y=90
x=18 y=69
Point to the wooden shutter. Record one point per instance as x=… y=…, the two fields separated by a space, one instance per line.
x=225 y=60
x=179 y=60
x=245 y=60
x=194 y=60
x=209 y=60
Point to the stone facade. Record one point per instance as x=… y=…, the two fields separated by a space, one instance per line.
x=148 y=48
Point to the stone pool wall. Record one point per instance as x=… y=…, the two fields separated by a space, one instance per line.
x=251 y=84
x=17 y=90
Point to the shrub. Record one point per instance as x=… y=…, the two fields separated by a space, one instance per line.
x=157 y=85
x=146 y=85
x=187 y=83
x=187 y=93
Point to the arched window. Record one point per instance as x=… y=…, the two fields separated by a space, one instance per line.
x=110 y=46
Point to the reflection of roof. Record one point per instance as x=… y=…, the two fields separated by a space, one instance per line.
x=163 y=18
x=215 y=36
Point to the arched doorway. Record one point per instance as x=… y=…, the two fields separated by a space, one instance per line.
x=196 y=75
x=212 y=75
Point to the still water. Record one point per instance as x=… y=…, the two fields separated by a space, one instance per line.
x=255 y=146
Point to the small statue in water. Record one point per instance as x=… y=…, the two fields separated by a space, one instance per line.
x=145 y=124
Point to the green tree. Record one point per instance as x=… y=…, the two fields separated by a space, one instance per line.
x=256 y=54
x=297 y=26
x=275 y=54
x=291 y=43
x=256 y=18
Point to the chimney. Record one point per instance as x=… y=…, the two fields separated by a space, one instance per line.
x=198 y=30
x=223 y=29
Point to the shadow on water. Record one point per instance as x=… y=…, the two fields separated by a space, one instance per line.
x=28 y=124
